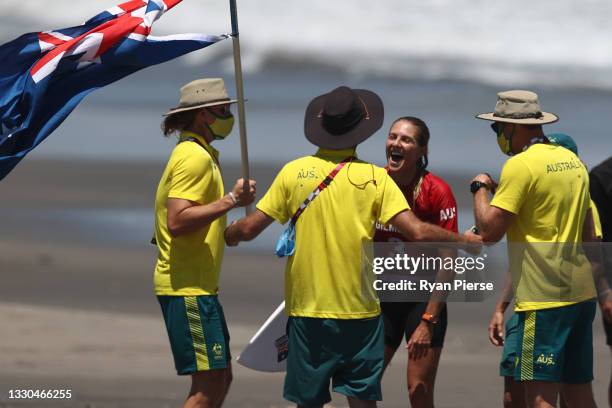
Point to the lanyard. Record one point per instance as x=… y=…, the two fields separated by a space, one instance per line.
x=326 y=182
x=193 y=139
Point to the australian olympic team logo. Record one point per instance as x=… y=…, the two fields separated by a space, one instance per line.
x=217 y=349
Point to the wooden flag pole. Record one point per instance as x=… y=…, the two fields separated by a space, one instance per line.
x=244 y=152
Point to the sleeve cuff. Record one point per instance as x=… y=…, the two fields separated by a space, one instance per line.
x=504 y=206
x=385 y=220
x=184 y=196
x=271 y=213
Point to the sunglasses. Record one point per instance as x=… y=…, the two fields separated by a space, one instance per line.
x=496 y=128
x=221 y=111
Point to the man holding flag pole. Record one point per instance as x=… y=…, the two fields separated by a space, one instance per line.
x=190 y=218
x=45 y=75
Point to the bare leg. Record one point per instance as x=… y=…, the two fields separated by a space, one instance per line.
x=562 y=403
x=389 y=353
x=421 y=375
x=578 y=395
x=541 y=394
x=227 y=381
x=514 y=394
x=208 y=389
x=355 y=403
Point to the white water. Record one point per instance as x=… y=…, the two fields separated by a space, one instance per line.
x=556 y=43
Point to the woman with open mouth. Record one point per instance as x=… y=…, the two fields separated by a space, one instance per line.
x=421 y=322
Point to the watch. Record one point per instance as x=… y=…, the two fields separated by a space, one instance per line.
x=429 y=318
x=477 y=185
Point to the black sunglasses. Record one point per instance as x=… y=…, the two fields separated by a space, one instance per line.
x=495 y=127
x=221 y=111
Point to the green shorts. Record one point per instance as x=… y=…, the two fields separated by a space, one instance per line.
x=509 y=355
x=198 y=333
x=555 y=344
x=350 y=353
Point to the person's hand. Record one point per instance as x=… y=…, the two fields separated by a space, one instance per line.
x=420 y=341
x=605 y=304
x=472 y=242
x=243 y=197
x=496 y=329
x=486 y=179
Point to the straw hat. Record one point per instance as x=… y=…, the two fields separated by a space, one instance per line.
x=520 y=107
x=202 y=93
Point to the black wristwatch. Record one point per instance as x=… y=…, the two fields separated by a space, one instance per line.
x=477 y=185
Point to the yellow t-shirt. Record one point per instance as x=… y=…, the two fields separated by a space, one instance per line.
x=328 y=275
x=547 y=187
x=596 y=221
x=189 y=265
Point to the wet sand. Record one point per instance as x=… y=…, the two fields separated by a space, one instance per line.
x=82 y=316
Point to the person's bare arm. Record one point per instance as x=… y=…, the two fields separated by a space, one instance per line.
x=416 y=230
x=496 y=325
x=492 y=222
x=593 y=251
x=247 y=227
x=444 y=275
x=420 y=341
x=185 y=216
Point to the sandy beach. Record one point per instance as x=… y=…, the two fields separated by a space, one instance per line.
x=77 y=311
x=77 y=307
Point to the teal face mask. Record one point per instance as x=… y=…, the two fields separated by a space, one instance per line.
x=221 y=127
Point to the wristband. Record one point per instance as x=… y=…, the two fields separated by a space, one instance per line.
x=233 y=197
x=429 y=318
x=604 y=293
x=477 y=185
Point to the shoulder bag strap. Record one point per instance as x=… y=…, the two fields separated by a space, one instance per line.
x=326 y=182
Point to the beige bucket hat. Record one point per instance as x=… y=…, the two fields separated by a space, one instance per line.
x=520 y=107
x=202 y=93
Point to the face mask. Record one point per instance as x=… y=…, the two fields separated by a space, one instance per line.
x=504 y=143
x=222 y=127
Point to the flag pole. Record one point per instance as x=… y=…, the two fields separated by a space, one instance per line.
x=244 y=152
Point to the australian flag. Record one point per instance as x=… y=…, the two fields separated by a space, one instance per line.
x=43 y=76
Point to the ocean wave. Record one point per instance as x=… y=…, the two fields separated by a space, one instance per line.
x=551 y=43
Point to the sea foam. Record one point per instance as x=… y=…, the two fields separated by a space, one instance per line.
x=565 y=44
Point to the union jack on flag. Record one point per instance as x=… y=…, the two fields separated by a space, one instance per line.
x=44 y=75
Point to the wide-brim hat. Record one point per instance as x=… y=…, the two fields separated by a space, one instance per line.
x=202 y=93
x=343 y=118
x=520 y=107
